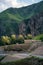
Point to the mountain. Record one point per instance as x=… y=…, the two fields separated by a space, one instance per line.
x=24 y=20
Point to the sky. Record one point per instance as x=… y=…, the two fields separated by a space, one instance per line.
x=4 y=4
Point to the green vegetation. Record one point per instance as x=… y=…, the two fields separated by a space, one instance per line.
x=5 y=40
x=26 y=61
x=12 y=17
x=8 y=40
x=18 y=13
x=39 y=37
x=13 y=39
x=20 y=39
x=29 y=36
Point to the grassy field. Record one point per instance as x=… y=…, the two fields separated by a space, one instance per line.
x=39 y=37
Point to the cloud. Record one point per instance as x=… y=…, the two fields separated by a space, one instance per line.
x=33 y=1
x=4 y=4
x=3 y=7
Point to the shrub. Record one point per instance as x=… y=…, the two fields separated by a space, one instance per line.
x=39 y=37
x=5 y=40
x=29 y=36
x=20 y=39
x=13 y=38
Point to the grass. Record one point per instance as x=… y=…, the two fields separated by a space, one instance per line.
x=11 y=16
x=26 y=61
x=39 y=37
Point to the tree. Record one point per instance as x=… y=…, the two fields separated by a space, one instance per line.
x=20 y=39
x=5 y=40
x=13 y=38
x=29 y=36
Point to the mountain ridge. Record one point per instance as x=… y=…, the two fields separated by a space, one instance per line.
x=12 y=18
x=23 y=12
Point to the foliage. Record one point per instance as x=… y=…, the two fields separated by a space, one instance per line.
x=39 y=37
x=29 y=36
x=13 y=38
x=20 y=39
x=5 y=40
x=10 y=18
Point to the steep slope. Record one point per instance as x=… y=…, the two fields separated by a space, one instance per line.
x=22 y=13
x=11 y=19
x=33 y=25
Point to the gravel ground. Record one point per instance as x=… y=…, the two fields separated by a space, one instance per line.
x=38 y=51
x=14 y=57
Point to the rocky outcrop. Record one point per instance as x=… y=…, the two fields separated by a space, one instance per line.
x=33 y=26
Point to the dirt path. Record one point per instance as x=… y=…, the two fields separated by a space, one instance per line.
x=14 y=57
x=19 y=56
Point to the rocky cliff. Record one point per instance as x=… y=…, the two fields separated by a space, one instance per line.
x=33 y=26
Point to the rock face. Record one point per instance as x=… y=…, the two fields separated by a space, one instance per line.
x=33 y=26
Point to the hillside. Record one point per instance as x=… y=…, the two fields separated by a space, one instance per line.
x=15 y=20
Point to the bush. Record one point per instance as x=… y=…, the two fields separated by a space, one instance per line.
x=5 y=40
x=13 y=39
x=39 y=37
x=29 y=36
x=20 y=39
